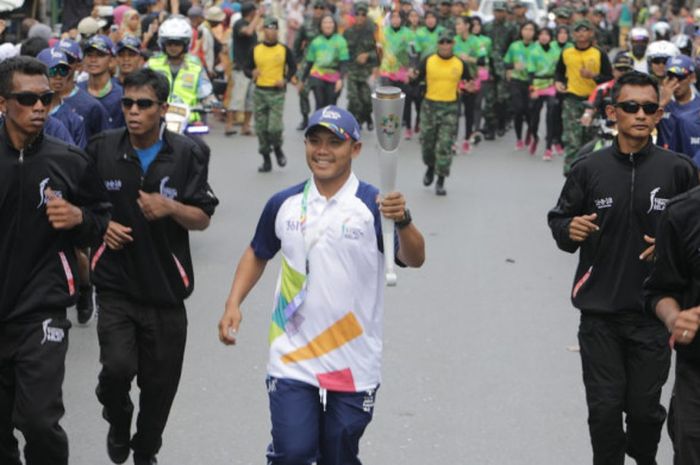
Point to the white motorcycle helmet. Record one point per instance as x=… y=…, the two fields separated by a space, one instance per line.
x=661 y=30
x=684 y=43
x=175 y=28
x=638 y=34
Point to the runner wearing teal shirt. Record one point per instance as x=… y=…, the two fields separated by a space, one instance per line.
x=414 y=93
x=326 y=58
x=541 y=66
x=516 y=61
x=467 y=49
x=563 y=40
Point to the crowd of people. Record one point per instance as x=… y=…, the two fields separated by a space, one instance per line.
x=118 y=192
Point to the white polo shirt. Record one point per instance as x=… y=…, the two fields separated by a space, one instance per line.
x=333 y=339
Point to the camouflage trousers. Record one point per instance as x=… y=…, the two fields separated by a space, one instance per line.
x=496 y=94
x=268 y=106
x=359 y=100
x=575 y=135
x=439 y=122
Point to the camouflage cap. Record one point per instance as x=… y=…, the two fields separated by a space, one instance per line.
x=270 y=22
x=500 y=6
x=446 y=34
x=362 y=6
x=583 y=23
x=563 y=12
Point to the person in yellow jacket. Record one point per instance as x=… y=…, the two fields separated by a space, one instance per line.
x=444 y=75
x=189 y=83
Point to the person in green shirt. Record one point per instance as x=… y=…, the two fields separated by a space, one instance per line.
x=427 y=36
x=563 y=39
x=326 y=61
x=516 y=61
x=414 y=94
x=541 y=66
x=466 y=48
x=394 y=68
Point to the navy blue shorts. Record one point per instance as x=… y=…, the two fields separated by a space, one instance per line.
x=304 y=431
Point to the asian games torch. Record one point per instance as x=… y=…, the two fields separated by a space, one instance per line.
x=387 y=103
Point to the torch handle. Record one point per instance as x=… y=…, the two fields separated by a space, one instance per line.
x=388 y=167
x=389 y=262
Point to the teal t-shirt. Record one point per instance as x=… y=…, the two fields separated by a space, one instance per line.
x=542 y=64
x=427 y=41
x=147 y=155
x=326 y=53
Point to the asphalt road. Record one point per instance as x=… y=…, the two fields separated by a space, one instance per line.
x=476 y=366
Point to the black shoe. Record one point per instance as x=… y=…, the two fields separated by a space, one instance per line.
x=281 y=159
x=118 y=444
x=500 y=132
x=429 y=176
x=303 y=124
x=370 y=125
x=440 y=186
x=266 y=165
x=141 y=460
x=85 y=305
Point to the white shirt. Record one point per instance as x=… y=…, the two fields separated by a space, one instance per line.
x=334 y=339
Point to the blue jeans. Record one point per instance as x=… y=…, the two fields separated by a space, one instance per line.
x=304 y=431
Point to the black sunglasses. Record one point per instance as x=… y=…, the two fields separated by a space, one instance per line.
x=29 y=99
x=142 y=103
x=659 y=60
x=59 y=70
x=680 y=77
x=444 y=41
x=319 y=7
x=632 y=107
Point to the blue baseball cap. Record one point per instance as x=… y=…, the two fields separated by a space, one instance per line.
x=337 y=120
x=100 y=42
x=71 y=48
x=129 y=42
x=680 y=65
x=52 y=57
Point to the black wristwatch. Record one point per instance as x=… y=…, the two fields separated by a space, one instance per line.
x=405 y=221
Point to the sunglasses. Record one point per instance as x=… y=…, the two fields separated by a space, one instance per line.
x=444 y=41
x=29 y=99
x=659 y=60
x=680 y=77
x=174 y=42
x=142 y=103
x=633 y=107
x=318 y=7
x=60 y=70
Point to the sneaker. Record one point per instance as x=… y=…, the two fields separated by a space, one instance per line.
x=559 y=149
x=547 y=155
x=429 y=176
x=475 y=138
x=489 y=135
x=141 y=460
x=407 y=134
x=533 y=146
x=370 y=125
x=118 y=447
x=440 y=186
x=85 y=305
x=519 y=145
x=466 y=148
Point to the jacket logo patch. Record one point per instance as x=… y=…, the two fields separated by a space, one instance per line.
x=656 y=203
x=605 y=202
x=43 y=198
x=350 y=232
x=165 y=191
x=695 y=141
x=51 y=334
x=113 y=185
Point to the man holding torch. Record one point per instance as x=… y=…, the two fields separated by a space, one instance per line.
x=326 y=332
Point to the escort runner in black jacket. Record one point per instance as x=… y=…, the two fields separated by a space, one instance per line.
x=51 y=201
x=40 y=269
x=157 y=181
x=156 y=268
x=609 y=208
x=673 y=293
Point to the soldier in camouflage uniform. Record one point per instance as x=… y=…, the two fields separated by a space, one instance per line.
x=445 y=18
x=363 y=58
x=307 y=32
x=443 y=73
x=496 y=90
x=270 y=88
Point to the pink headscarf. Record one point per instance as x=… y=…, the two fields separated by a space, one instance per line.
x=119 y=13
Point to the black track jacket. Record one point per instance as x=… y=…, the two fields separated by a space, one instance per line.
x=156 y=268
x=629 y=192
x=38 y=267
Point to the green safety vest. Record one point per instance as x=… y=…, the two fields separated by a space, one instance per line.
x=186 y=83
